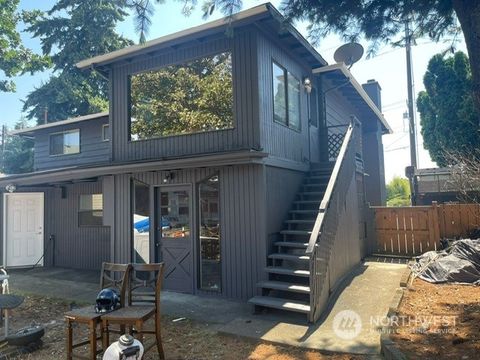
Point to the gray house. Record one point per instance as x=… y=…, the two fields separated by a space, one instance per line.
x=237 y=157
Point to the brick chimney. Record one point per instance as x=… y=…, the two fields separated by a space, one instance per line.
x=373 y=89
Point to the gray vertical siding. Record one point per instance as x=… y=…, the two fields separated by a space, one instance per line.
x=276 y=139
x=282 y=186
x=242 y=211
x=92 y=149
x=244 y=135
x=74 y=246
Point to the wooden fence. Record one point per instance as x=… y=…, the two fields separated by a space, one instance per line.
x=413 y=230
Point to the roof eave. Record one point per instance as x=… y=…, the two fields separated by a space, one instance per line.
x=359 y=89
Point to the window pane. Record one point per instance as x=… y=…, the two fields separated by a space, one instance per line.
x=175 y=210
x=106 y=132
x=90 y=210
x=293 y=102
x=56 y=144
x=180 y=99
x=279 y=101
x=210 y=256
x=71 y=142
x=141 y=223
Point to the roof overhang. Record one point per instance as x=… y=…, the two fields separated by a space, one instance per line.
x=30 y=131
x=265 y=14
x=353 y=91
x=77 y=173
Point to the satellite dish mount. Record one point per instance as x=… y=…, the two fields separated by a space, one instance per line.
x=349 y=54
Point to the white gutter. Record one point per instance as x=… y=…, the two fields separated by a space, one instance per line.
x=363 y=94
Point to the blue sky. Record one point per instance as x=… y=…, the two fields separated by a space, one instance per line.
x=388 y=67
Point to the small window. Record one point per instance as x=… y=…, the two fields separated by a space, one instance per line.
x=286 y=97
x=105 y=132
x=65 y=143
x=90 y=212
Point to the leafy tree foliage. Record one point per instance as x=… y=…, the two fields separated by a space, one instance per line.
x=15 y=59
x=73 y=30
x=184 y=98
x=17 y=154
x=448 y=116
x=398 y=192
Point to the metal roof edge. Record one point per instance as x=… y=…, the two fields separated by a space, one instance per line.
x=363 y=94
x=60 y=123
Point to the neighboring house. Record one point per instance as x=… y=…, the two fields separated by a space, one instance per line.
x=226 y=188
x=437 y=184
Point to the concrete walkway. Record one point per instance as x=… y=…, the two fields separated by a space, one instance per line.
x=367 y=292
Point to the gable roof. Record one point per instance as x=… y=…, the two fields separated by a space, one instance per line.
x=354 y=92
x=29 y=131
x=265 y=14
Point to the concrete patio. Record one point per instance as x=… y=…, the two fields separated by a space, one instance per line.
x=367 y=292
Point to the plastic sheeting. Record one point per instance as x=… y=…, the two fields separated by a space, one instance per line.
x=460 y=263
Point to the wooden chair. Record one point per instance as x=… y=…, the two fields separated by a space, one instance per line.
x=143 y=304
x=111 y=276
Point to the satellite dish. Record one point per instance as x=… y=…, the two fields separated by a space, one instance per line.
x=349 y=53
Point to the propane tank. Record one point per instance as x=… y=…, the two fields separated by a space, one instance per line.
x=126 y=348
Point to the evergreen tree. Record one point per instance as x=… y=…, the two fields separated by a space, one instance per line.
x=17 y=152
x=15 y=59
x=447 y=112
x=73 y=30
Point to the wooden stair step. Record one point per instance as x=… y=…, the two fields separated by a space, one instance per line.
x=304 y=211
x=296 y=232
x=291 y=257
x=300 y=221
x=319 y=177
x=306 y=202
x=284 y=286
x=291 y=244
x=285 y=271
x=312 y=193
x=279 y=303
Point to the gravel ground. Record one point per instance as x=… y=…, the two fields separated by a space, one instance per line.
x=182 y=339
x=442 y=321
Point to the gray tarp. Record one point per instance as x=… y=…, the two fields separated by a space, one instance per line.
x=459 y=263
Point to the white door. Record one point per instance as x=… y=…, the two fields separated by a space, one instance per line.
x=23 y=244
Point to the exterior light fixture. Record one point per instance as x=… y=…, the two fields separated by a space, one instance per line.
x=307 y=84
x=10 y=188
x=169 y=176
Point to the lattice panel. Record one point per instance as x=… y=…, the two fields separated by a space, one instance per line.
x=334 y=144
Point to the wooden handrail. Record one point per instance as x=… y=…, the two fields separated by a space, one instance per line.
x=329 y=191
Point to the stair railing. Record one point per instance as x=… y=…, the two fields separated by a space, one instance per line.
x=326 y=224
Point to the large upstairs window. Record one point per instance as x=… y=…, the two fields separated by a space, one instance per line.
x=192 y=97
x=65 y=143
x=286 y=97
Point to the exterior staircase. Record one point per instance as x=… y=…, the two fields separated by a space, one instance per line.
x=288 y=286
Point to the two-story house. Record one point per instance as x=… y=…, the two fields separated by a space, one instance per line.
x=231 y=151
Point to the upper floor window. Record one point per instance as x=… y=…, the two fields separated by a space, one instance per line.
x=286 y=97
x=64 y=143
x=181 y=99
x=105 y=132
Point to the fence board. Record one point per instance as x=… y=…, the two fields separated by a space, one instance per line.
x=413 y=230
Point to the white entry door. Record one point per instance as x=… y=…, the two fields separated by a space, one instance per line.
x=23 y=245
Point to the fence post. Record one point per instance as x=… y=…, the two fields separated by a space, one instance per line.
x=436 y=225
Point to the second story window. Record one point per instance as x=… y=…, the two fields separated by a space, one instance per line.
x=64 y=143
x=286 y=97
x=192 y=97
x=105 y=132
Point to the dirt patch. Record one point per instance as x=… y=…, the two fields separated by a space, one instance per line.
x=181 y=339
x=439 y=321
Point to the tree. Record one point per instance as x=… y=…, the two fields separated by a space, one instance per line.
x=17 y=152
x=15 y=59
x=73 y=30
x=447 y=114
x=398 y=192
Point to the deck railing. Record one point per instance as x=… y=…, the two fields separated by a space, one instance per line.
x=327 y=222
